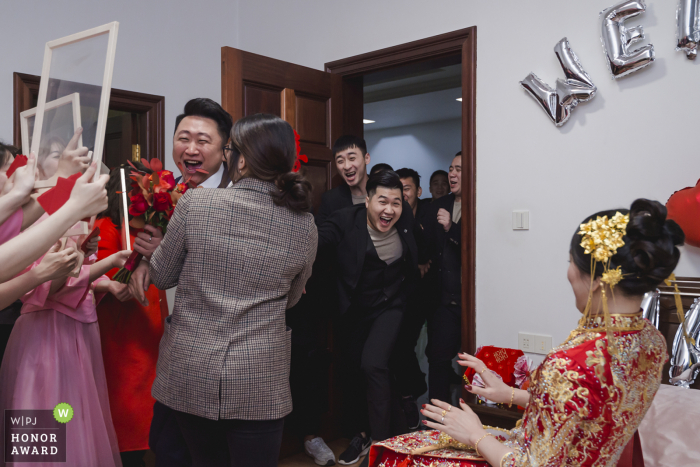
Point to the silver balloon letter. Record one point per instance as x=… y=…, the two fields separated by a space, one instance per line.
x=617 y=39
x=577 y=87
x=685 y=358
x=688 y=18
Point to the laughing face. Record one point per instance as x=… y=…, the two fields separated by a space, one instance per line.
x=455 y=176
x=352 y=165
x=197 y=145
x=384 y=208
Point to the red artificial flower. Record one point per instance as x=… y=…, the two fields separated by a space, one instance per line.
x=139 y=205
x=181 y=188
x=162 y=202
x=166 y=181
x=300 y=157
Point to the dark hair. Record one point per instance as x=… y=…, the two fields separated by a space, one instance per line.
x=410 y=173
x=649 y=255
x=7 y=150
x=347 y=142
x=385 y=179
x=438 y=172
x=458 y=154
x=381 y=166
x=268 y=145
x=114 y=188
x=207 y=108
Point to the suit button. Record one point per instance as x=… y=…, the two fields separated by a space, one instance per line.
x=405 y=230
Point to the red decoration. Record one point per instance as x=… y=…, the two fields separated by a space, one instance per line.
x=300 y=157
x=684 y=207
x=20 y=161
x=52 y=200
x=498 y=359
x=95 y=232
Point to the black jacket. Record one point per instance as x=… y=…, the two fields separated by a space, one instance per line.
x=333 y=200
x=345 y=234
x=444 y=251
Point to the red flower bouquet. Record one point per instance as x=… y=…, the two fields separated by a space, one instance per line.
x=152 y=200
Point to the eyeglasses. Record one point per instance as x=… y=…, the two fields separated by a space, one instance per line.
x=227 y=150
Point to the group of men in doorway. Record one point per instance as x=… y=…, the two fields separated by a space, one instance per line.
x=387 y=263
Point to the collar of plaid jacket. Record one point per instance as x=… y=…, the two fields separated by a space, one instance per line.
x=255 y=184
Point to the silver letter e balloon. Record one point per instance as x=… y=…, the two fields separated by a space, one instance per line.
x=577 y=87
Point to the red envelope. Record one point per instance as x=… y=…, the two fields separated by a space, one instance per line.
x=20 y=161
x=56 y=197
x=95 y=232
x=498 y=359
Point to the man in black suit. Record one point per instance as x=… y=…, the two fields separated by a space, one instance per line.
x=377 y=258
x=442 y=230
x=351 y=158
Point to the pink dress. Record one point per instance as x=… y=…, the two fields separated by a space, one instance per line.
x=54 y=355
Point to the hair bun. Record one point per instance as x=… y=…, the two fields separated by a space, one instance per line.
x=295 y=191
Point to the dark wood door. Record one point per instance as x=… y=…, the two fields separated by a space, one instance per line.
x=310 y=100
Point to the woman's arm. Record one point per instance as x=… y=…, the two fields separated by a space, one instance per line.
x=87 y=199
x=299 y=282
x=116 y=260
x=31 y=212
x=167 y=261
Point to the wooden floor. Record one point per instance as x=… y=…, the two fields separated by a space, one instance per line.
x=302 y=460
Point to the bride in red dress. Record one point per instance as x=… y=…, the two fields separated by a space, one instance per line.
x=590 y=394
x=130 y=333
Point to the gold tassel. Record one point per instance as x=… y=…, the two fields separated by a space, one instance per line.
x=679 y=307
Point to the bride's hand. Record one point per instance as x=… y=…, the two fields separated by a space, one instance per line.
x=461 y=424
x=496 y=390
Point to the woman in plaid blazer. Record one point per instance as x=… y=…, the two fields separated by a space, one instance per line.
x=239 y=257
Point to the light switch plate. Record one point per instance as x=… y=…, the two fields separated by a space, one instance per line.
x=526 y=342
x=521 y=220
x=542 y=344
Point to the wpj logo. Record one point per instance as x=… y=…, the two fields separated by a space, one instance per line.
x=36 y=435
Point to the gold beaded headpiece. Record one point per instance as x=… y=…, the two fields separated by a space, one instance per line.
x=601 y=239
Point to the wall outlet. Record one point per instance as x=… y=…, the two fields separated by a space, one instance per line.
x=526 y=342
x=542 y=344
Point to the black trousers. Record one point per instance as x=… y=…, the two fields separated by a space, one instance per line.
x=310 y=362
x=408 y=377
x=444 y=342
x=165 y=439
x=231 y=443
x=367 y=342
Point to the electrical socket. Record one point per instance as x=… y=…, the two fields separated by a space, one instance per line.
x=543 y=344
x=526 y=342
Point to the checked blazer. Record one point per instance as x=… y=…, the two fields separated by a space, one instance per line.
x=239 y=261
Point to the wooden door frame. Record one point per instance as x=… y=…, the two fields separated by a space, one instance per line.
x=27 y=86
x=461 y=42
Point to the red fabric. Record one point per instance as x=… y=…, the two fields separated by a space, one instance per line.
x=632 y=454
x=498 y=359
x=57 y=196
x=130 y=335
x=20 y=161
x=381 y=456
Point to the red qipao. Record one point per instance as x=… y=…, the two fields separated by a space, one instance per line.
x=130 y=336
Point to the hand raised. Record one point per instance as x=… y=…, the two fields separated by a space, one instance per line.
x=495 y=389
x=120 y=291
x=57 y=264
x=88 y=198
x=444 y=218
x=74 y=159
x=22 y=181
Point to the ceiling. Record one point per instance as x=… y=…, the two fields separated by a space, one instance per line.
x=411 y=110
x=413 y=94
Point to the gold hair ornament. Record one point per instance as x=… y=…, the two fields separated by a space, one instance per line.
x=679 y=307
x=601 y=238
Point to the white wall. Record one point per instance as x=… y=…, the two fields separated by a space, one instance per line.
x=425 y=147
x=172 y=49
x=634 y=139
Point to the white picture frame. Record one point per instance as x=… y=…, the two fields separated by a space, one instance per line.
x=70 y=99
x=111 y=29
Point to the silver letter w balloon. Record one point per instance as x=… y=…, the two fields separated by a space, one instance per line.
x=577 y=87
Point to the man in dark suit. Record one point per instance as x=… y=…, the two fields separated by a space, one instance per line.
x=201 y=132
x=442 y=230
x=377 y=258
